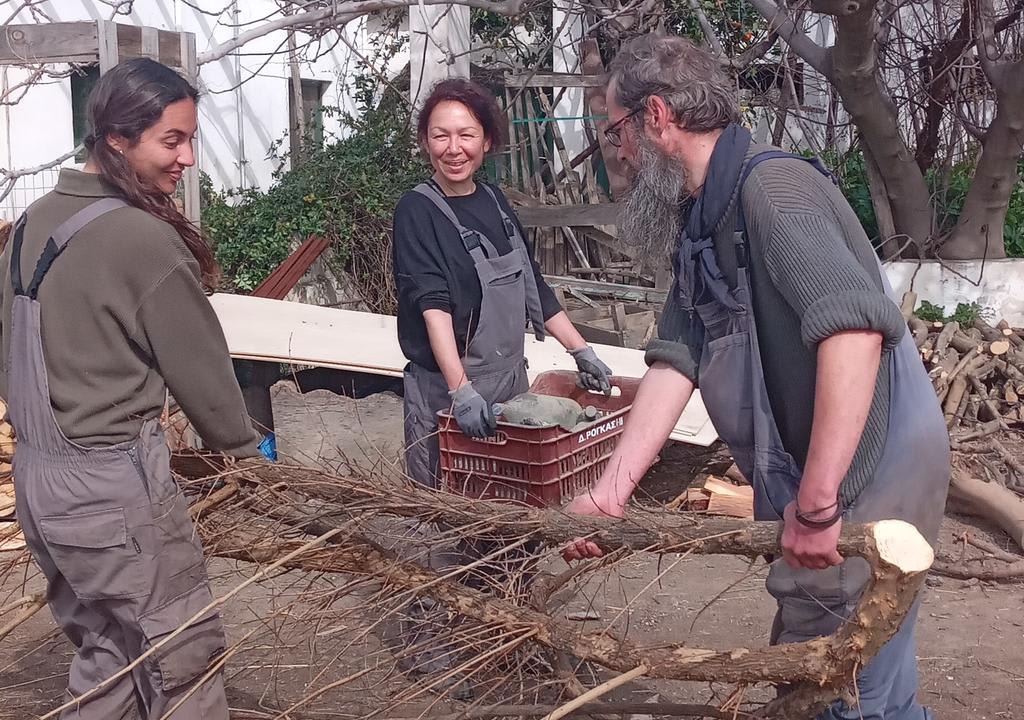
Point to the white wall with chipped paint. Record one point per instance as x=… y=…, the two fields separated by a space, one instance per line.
x=996 y=285
x=238 y=122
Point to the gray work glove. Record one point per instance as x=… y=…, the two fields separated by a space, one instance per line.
x=472 y=412
x=594 y=374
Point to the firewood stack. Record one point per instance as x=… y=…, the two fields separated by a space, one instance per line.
x=977 y=372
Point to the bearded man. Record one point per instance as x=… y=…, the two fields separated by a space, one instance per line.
x=781 y=315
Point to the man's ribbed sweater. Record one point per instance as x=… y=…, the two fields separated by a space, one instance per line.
x=813 y=273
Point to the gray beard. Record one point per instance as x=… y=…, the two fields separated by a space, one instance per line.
x=649 y=222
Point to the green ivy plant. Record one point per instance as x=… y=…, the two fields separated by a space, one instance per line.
x=965 y=314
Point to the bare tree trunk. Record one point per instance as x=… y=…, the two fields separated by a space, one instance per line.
x=979 y=231
x=854 y=71
x=852 y=68
x=883 y=211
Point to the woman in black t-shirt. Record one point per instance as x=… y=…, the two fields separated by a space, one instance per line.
x=466 y=283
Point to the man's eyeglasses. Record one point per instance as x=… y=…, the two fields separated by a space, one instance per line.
x=613 y=134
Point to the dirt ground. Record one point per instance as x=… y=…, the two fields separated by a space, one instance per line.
x=970 y=634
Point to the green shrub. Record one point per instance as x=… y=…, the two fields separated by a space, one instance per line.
x=949 y=191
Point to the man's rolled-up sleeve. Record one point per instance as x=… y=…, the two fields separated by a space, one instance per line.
x=679 y=340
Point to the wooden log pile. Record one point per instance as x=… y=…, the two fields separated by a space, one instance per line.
x=977 y=370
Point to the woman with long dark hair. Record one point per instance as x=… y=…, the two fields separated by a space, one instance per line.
x=103 y=312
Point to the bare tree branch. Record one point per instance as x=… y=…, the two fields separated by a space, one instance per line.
x=10 y=177
x=707 y=29
x=341 y=13
x=782 y=24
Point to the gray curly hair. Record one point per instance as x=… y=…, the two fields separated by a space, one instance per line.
x=688 y=78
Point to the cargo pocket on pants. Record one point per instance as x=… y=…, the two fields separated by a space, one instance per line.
x=95 y=554
x=186 y=656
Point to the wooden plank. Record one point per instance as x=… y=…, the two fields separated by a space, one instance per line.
x=513 y=142
x=188 y=66
x=535 y=150
x=150 y=43
x=619 y=317
x=53 y=42
x=308 y=335
x=546 y=80
x=575 y=194
x=143 y=41
x=170 y=49
x=633 y=293
x=569 y=215
x=285 y=276
x=600 y=336
x=106 y=37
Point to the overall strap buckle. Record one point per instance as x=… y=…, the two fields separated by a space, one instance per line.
x=470 y=239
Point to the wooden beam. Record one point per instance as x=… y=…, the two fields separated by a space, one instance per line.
x=187 y=53
x=633 y=293
x=106 y=38
x=74 y=42
x=568 y=215
x=80 y=43
x=161 y=45
x=546 y=80
x=151 y=43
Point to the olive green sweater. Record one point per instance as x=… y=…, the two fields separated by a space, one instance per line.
x=813 y=273
x=124 y=318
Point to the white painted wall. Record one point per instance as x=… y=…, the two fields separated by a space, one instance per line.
x=995 y=285
x=438 y=46
x=237 y=126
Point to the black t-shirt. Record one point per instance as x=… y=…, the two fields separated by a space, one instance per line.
x=433 y=270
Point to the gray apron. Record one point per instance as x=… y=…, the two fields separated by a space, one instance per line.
x=910 y=480
x=495 y=362
x=494 y=359
x=111 y=532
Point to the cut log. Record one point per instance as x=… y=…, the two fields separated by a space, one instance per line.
x=729 y=500
x=962 y=343
x=919 y=329
x=999 y=347
x=994 y=502
x=1010 y=396
x=907 y=305
x=951 y=408
x=946 y=335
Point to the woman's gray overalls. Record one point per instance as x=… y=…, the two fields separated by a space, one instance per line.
x=494 y=360
x=111 y=532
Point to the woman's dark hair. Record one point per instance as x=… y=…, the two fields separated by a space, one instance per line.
x=125 y=101
x=478 y=99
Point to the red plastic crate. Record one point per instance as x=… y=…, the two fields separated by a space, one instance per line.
x=536 y=465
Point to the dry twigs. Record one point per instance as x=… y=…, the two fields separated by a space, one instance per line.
x=820 y=668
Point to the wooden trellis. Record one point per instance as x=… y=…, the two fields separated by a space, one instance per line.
x=569 y=213
x=106 y=43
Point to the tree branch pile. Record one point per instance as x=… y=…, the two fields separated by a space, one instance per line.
x=267 y=514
